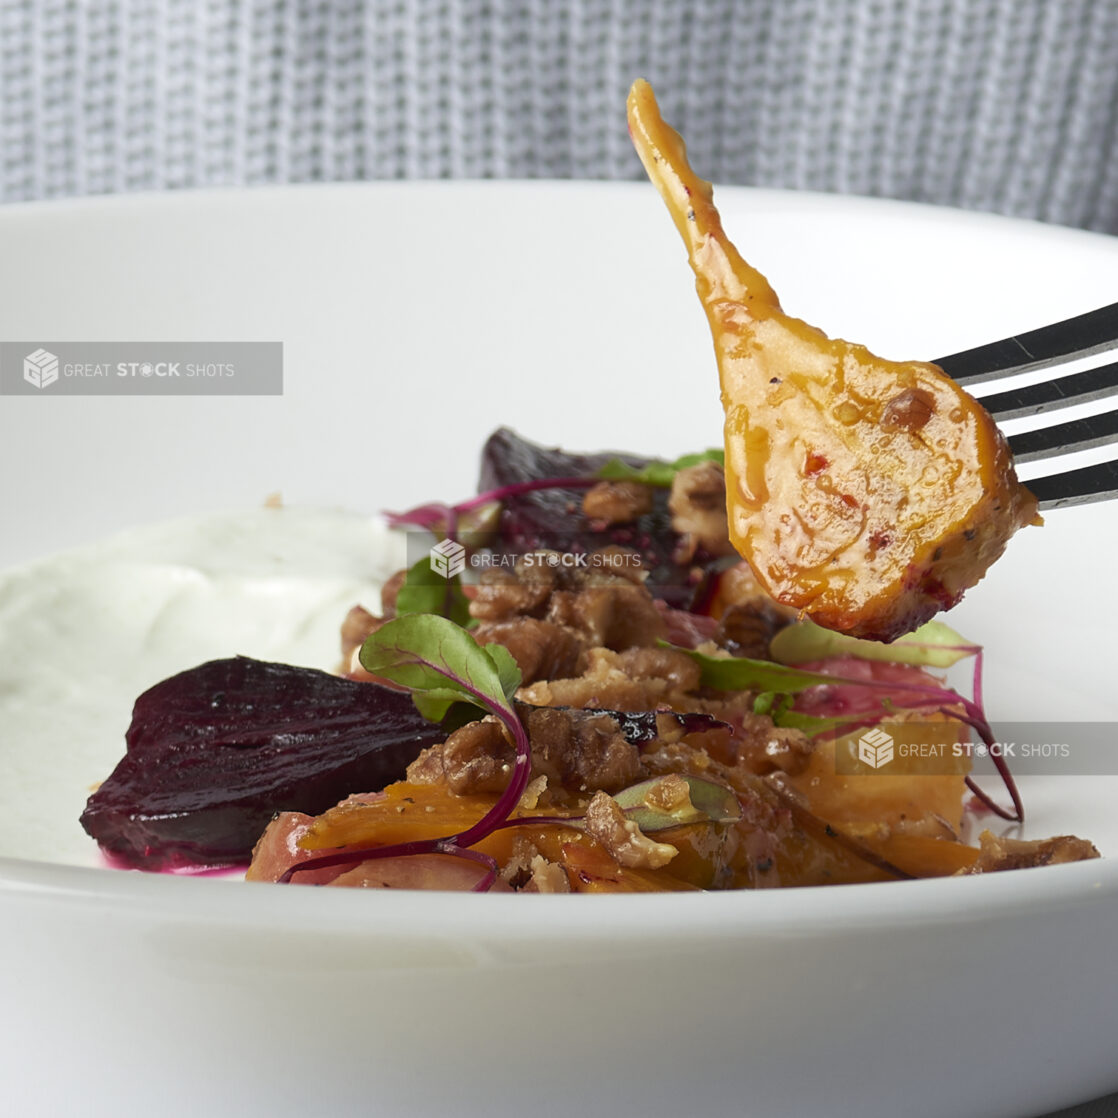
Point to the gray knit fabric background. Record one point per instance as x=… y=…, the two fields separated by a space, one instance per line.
x=1005 y=105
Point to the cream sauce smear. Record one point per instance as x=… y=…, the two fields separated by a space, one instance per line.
x=84 y=632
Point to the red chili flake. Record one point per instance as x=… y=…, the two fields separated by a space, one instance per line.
x=815 y=463
x=878 y=541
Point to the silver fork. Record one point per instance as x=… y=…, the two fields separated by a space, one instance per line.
x=1083 y=336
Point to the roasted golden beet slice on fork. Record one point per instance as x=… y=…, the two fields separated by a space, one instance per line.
x=869 y=494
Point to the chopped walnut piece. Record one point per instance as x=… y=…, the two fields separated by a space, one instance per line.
x=358 y=625
x=427 y=768
x=604 y=685
x=581 y=751
x=602 y=602
x=698 y=507
x=502 y=593
x=747 y=629
x=617 y=615
x=610 y=566
x=617 y=502
x=389 y=592
x=677 y=668
x=575 y=750
x=547 y=877
x=541 y=649
x=764 y=748
x=530 y=799
x=528 y=871
x=624 y=840
x=748 y=618
x=738 y=585
x=998 y=853
x=475 y=758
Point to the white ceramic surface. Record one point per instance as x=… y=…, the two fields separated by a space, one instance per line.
x=414 y=319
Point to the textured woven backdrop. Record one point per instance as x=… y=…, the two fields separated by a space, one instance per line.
x=1009 y=106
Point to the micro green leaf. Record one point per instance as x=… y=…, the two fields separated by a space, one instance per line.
x=813 y=724
x=738 y=673
x=733 y=673
x=435 y=705
x=772 y=703
x=441 y=664
x=508 y=671
x=659 y=474
x=933 y=645
x=425 y=591
x=426 y=652
x=779 y=708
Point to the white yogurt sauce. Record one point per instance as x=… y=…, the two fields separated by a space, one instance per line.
x=83 y=633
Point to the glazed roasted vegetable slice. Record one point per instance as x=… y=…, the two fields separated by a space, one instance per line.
x=869 y=494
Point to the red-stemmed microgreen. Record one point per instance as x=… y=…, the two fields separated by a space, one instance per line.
x=732 y=673
x=441 y=664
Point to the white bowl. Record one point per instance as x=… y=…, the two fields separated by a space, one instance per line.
x=415 y=318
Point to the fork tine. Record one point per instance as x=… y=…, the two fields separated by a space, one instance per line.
x=1063 y=438
x=1076 y=487
x=1064 y=341
x=1048 y=395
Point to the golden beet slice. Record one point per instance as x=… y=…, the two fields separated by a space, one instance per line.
x=867 y=493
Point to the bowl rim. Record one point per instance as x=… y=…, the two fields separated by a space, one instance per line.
x=809 y=911
x=803 y=911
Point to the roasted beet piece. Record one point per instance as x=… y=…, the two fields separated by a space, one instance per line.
x=213 y=753
x=552 y=519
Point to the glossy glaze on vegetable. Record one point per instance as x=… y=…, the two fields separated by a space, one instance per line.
x=869 y=494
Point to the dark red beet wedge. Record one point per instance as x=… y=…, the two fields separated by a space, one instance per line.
x=552 y=518
x=213 y=753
